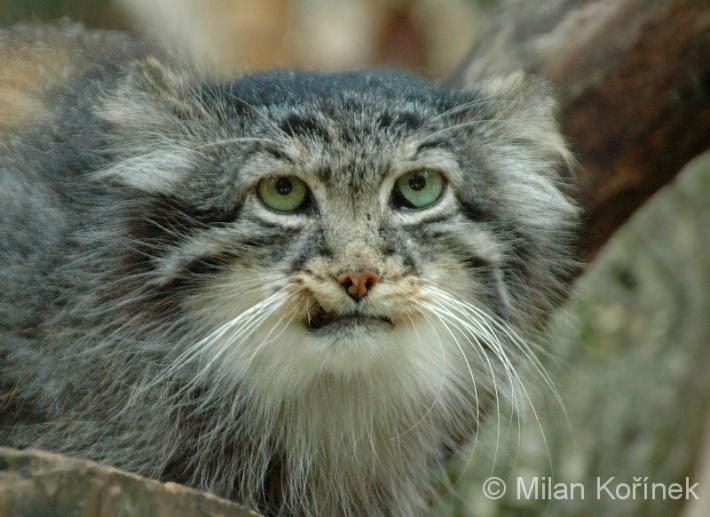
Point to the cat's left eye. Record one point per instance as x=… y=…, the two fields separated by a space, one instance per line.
x=283 y=193
x=418 y=189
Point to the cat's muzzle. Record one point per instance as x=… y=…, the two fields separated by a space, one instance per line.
x=322 y=321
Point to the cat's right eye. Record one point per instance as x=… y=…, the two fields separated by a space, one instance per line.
x=283 y=193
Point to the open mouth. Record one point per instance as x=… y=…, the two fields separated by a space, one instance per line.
x=322 y=320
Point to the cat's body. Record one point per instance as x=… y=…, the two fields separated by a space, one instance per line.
x=158 y=315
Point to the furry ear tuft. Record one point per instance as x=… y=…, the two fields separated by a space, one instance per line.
x=151 y=95
x=507 y=85
x=525 y=96
x=146 y=116
x=528 y=101
x=155 y=76
x=171 y=87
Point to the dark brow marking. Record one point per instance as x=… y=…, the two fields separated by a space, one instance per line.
x=405 y=120
x=297 y=125
x=278 y=154
x=431 y=144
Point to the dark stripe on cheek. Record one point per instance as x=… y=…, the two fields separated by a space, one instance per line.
x=314 y=245
x=425 y=222
x=475 y=211
x=200 y=269
x=475 y=262
x=484 y=272
x=210 y=265
x=259 y=248
x=520 y=247
x=267 y=242
x=254 y=249
x=394 y=245
x=408 y=260
x=206 y=216
x=155 y=226
x=169 y=219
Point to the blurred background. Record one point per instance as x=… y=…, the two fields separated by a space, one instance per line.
x=630 y=351
x=426 y=36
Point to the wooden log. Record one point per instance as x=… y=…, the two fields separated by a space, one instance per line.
x=633 y=80
x=34 y=483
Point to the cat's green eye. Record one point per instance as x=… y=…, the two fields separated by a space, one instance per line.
x=419 y=188
x=283 y=193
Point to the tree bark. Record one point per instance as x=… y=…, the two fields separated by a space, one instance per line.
x=41 y=483
x=633 y=81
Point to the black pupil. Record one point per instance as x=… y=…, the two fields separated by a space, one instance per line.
x=283 y=186
x=417 y=181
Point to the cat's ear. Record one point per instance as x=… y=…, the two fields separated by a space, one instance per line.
x=151 y=95
x=529 y=103
x=146 y=117
x=521 y=95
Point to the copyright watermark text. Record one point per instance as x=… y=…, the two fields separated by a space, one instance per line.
x=611 y=488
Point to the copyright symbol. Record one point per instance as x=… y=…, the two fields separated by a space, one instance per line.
x=494 y=488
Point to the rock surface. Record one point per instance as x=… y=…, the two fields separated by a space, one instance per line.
x=39 y=484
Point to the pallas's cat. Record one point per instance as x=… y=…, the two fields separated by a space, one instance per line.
x=294 y=289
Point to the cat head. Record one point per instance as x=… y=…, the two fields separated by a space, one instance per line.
x=358 y=224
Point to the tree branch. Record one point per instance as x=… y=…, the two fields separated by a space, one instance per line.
x=633 y=79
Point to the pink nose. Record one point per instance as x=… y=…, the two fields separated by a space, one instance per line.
x=357 y=284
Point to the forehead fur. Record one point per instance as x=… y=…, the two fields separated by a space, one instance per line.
x=161 y=115
x=154 y=96
x=364 y=111
x=290 y=86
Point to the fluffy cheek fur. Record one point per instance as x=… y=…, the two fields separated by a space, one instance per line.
x=347 y=411
x=258 y=335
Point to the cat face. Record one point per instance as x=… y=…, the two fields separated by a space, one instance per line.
x=359 y=224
